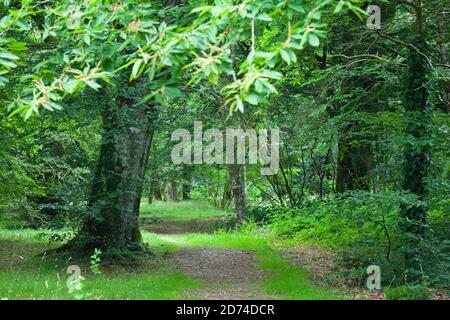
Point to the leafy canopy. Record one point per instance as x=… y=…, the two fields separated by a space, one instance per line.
x=57 y=48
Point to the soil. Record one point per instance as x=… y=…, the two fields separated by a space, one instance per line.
x=230 y=274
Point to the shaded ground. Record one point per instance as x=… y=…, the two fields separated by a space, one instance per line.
x=232 y=273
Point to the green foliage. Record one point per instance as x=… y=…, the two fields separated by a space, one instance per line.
x=95 y=39
x=95 y=262
x=149 y=279
x=261 y=213
x=354 y=130
x=365 y=229
x=408 y=293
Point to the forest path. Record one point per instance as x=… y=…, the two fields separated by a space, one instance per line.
x=225 y=273
x=228 y=273
x=235 y=265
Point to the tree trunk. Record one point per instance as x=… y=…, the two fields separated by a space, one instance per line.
x=157 y=193
x=150 y=196
x=186 y=190
x=239 y=189
x=353 y=163
x=416 y=153
x=444 y=58
x=154 y=192
x=116 y=193
x=165 y=193
x=226 y=194
x=186 y=185
x=172 y=191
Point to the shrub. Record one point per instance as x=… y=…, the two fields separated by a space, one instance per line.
x=417 y=292
x=364 y=228
x=262 y=213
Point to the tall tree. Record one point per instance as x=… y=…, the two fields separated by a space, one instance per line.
x=417 y=136
x=117 y=187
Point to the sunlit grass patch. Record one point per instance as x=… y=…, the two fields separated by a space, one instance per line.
x=21 y=234
x=181 y=209
x=51 y=284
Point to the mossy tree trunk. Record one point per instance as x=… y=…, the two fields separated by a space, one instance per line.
x=353 y=164
x=186 y=183
x=113 y=207
x=416 y=152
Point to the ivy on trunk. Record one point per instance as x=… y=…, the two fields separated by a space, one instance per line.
x=114 y=201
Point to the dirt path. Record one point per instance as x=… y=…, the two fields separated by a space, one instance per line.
x=229 y=274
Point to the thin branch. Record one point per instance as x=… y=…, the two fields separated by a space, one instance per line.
x=408 y=45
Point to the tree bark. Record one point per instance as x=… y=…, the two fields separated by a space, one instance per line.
x=186 y=184
x=416 y=151
x=112 y=222
x=444 y=58
x=150 y=196
x=239 y=189
x=353 y=164
x=157 y=193
x=226 y=194
x=173 y=191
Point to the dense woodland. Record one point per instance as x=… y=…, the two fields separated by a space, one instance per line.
x=91 y=92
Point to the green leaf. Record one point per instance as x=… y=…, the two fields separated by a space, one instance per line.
x=239 y=105
x=292 y=55
x=264 y=17
x=285 y=56
x=213 y=78
x=313 y=40
x=136 y=69
x=339 y=7
x=8 y=55
x=253 y=98
x=87 y=39
x=3 y=81
x=272 y=74
x=7 y=63
x=259 y=86
x=173 y=92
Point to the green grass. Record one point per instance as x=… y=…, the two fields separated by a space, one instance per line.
x=51 y=284
x=26 y=274
x=21 y=234
x=185 y=216
x=181 y=210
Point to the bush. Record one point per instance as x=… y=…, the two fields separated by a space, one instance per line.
x=262 y=213
x=364 y=228
x=408 y=293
